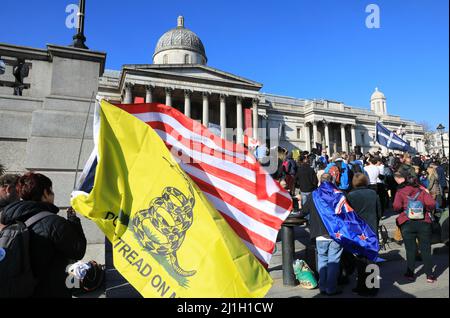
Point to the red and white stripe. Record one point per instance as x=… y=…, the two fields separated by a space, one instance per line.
x=252 y=203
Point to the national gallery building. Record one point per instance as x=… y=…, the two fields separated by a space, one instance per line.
x=45 y=95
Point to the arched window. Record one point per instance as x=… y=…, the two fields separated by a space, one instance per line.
x=187 y=59
x=165 y=59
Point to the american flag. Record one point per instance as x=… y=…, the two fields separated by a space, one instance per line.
x=252 y=203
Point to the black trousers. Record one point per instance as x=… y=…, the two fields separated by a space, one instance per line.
x=362 y=275
x=421 y=231
x=382 y=194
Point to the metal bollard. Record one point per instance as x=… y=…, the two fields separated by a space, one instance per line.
x=287 y=237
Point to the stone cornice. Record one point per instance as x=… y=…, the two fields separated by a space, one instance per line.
x=78 y=54
x=30 y=53
x=25 y=52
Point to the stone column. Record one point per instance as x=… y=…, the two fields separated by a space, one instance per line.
x=255 y=118
x=205 y=109
x=307 y=138
x=223 y=116
x=353 y=137
x=168 y=96
x=327 y=137
x=343 y=139
x=128 y=98
x=187 y=103
x=149 y=94
x=239 y=130
x=314 y=123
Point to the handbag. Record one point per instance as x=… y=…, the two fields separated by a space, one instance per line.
x=304 y=275
x=436 y=230
x=398 y=235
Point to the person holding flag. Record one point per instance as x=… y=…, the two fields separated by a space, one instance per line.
x=336 y=227
x=168 y=239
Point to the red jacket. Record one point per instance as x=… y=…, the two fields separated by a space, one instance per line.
x=401 y=202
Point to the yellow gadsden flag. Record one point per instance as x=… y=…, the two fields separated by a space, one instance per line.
x=168 y=240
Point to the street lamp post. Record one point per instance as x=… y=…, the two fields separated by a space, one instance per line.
x=79 y=39
x=441 y=129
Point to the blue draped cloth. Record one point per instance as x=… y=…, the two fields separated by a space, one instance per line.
x=343 y=224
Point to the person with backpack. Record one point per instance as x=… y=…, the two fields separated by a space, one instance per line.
x=40 y=239
x=414 y=204
x=339 y=173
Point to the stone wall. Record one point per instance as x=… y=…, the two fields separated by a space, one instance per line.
x=42 y=130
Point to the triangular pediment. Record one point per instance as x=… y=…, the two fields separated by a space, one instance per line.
x=195 y=73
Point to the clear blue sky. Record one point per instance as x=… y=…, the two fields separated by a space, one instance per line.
x=300 y=48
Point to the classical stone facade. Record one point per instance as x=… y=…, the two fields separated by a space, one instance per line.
x=42 y=129
x=220 y=99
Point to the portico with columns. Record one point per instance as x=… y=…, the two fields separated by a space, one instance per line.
x=335 y=134
x=214 y=98
x=180 y=77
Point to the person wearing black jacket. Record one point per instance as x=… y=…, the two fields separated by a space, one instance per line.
x=54 y=241
x=305 y=178
x=367 y=205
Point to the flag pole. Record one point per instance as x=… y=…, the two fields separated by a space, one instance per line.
x=81 y=146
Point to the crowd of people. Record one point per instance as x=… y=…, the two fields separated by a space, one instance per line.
x=373 y=184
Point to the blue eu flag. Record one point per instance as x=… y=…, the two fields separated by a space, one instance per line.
x=389 y=139
x=342 y=223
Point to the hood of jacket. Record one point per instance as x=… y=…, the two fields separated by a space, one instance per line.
x=23 y=210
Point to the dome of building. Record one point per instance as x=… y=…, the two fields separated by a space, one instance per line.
x=377 y=94
x=179 y=46
x=378 y=103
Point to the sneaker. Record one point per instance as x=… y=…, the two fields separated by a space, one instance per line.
x=431 y=279
x=409 y=275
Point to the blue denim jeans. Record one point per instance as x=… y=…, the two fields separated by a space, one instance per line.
x=328 y=258
x=305 y=196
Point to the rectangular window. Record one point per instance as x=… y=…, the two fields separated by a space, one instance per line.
x=299 y=132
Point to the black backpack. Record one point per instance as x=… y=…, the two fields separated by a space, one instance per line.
x=16 y=277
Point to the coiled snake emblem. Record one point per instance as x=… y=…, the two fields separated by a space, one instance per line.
x=171 y=215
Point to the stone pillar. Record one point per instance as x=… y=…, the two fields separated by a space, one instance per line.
x=205 y=113
x=187 y=103
x=223 y=116
x=168 y=96
x=353 y=137
x=314 y=123
x=343 y=139
x=307 y=138
x=255 y=118
x=128 y=98
x=239 y=129
x=327 y=137
x=149 y=94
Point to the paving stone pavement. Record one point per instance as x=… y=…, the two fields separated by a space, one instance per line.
x=392 y=283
